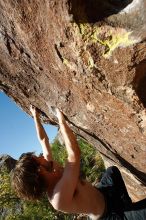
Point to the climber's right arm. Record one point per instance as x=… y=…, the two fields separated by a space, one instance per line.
x=42 y=136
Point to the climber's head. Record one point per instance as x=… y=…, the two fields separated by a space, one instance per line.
x=27 y=177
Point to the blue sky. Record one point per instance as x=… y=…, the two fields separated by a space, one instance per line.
x=17 y=130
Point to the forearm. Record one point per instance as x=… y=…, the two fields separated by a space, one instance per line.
x=71 y=143
x=39 y=128
x=43 y=138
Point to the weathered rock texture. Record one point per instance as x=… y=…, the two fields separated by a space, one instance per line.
x=89 y=59
x=7 y=162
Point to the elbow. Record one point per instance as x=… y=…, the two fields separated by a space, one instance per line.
x=57 y=206
x=47 y=157
x=60 y=205
x=60 y=202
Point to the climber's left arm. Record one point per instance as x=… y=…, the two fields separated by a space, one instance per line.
x=65 y=188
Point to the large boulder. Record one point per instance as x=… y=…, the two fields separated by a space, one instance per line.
x=7 y=162
x=90 y=61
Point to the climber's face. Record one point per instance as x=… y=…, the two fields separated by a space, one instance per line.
x=47 y=165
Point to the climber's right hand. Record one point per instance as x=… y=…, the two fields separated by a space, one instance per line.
x=34 y=111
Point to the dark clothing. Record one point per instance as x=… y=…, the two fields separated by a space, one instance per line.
x=118 y=203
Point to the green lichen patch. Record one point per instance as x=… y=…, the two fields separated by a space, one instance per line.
x=65 y=61
x=84 y=29
x=117 y=40
x=110 y=38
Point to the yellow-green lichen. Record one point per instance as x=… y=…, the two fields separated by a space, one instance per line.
x=84 y=29
x=112 y=41
x=65 y=62
x=109 y=37
x=93 y=37
x=116 y=41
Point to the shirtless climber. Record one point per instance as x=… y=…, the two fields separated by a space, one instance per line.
x=34 y=176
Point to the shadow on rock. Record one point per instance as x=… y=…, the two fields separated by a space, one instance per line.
x=127 y=14
x=96 y=10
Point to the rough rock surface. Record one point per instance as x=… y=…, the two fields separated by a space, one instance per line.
x=7 y=162
x=90 y=61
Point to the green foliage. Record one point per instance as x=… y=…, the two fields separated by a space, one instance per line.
x=12 y=208
x=8 y=200
x=92 y=164
x=58 y=151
